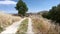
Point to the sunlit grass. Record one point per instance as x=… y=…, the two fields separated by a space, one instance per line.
x=7 y=20
x=43 y=26
x=23 y=27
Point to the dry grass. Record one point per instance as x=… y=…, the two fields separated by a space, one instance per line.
x=44 y=26
x=7 y=19
x=23 y=27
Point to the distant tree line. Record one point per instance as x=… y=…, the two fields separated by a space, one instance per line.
x=53 y=14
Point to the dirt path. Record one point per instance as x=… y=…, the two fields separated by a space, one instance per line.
x=29 y=31
x=13 y=28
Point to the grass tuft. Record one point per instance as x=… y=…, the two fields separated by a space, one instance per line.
x=1 y=29
x=23 y=27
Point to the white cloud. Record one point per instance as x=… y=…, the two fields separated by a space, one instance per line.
x=8 y=2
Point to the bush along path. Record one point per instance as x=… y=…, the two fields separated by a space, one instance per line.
x=1 y=29
x=23 y=27
x=13 y=28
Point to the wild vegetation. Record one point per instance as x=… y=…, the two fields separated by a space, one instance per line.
x=23 y=27
x=53 y=14
x=44 y=26
x=6 y=20
x=1 y=29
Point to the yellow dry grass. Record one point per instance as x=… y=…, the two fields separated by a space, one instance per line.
x=44 y=26
x=7 y=19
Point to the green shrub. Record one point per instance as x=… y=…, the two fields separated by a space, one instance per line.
x=1 y=29
x=53 y=14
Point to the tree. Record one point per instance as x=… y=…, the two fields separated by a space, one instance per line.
x=21 y=7
x=54 y=14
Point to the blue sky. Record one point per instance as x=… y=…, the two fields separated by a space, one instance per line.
x=33 y=5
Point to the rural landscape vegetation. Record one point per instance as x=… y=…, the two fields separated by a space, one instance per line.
x=42 y=22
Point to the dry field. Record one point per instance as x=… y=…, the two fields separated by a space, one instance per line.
x=7 y=19
x=44 y=26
